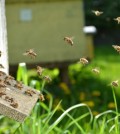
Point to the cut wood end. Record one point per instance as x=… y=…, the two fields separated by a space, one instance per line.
x=16 y=102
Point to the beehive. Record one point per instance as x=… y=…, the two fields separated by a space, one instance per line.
x=42 y=25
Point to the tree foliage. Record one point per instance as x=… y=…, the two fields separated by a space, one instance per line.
x=111 y=9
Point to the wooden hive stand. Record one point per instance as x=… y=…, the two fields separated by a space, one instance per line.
x=16 y=99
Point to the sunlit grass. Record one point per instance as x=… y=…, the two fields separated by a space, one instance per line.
x=88 y=106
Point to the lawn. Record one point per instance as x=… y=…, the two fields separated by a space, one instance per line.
x=86 y=86
x=87 y=105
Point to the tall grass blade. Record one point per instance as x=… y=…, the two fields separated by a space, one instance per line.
x=65 y=113
x=22 y=73
x=77 y=119
x=35 y=84
x=51 y=115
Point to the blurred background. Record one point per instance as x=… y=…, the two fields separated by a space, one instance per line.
x=42 y=26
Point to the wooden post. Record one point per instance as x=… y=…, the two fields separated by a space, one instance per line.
x=64 y=74
x=3 y=39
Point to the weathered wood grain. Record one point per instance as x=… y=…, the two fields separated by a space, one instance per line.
x=16 y=103
x=43 y=34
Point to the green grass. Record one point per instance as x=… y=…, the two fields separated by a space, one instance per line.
x=108 y=58
x=71 y=110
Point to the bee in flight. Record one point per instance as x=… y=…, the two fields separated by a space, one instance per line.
x=84 y=61
x=69 y=40
x=117 y=19
x=96 y=70
x=30 y=53
x=97 y=13
x=117 y=48
x=115 y=83
x=40 y=70
x=41 y=97
x=47 y=78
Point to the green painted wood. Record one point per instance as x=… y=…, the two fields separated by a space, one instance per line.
x=50 y=23
x=33 y=1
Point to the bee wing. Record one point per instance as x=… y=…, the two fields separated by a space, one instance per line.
x=114 y=46
x=71 y=40
x=96 y=69
x=66 y=38
x=118 y=18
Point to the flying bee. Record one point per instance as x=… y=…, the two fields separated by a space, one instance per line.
x=18 y=85
x=117 y=19
x=69 y=40
x=117 y=48
x=41 y=97
x=47 y=78
x=115 y=83
x=1 y=66
x=95 y=70
x=30 y=53
x=97 y=13
x=40 y=70
x=83 y=61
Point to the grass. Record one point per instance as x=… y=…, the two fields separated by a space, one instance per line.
x=71 y=110
x=107 y=57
